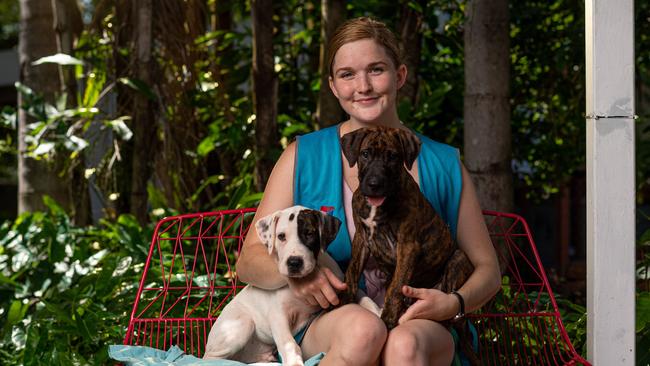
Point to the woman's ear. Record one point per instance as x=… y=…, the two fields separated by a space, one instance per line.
x=402 y=72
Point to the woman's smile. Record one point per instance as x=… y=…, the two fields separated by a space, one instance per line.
x=366 y=101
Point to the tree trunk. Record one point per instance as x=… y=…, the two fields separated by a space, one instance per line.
x=143 y=121
x=176 y=173
x=487 y=110
x=222 y=21
x=68 y=26
x=124 y=29
x=265 y=90
x=36 y=40
x=410 y=26
x=328 y=110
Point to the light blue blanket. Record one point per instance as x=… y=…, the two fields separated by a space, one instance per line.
x=145 y=356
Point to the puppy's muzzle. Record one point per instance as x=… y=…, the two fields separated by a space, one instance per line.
x=295 y=265
x=375 y=182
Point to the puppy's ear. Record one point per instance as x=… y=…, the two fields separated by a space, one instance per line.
x=266 y=230
x=329 y=228
x=351 y=143
x=410 y=146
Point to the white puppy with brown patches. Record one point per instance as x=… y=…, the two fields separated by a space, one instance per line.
x=257 y=321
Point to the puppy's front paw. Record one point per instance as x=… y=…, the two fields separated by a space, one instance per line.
x=294 y=360
x=291 y=354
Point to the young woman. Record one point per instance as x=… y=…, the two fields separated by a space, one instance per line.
x=365 y=74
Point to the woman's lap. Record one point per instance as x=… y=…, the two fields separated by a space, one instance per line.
x=356 y=329
x=350 y=328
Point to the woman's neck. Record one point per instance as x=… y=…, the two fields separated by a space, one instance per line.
x=352 y=124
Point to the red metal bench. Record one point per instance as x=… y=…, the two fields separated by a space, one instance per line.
x=189 y=276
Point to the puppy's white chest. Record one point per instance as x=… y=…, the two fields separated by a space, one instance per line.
x=370 y=220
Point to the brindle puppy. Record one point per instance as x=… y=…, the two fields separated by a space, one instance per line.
x=396 y=224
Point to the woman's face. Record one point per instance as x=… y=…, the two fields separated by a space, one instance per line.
x=365 y=82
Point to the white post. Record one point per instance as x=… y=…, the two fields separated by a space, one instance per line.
x=610 y=181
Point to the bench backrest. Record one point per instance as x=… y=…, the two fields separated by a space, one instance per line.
x=522 y=324
x=189 y=277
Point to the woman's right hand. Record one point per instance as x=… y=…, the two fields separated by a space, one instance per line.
x=319 y=288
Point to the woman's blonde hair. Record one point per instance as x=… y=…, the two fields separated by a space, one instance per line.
x=364 y=28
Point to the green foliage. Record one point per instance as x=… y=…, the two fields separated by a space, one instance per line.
x=59 y=129
x=8 y=144
x=72 y=124
x=524 y=334
x=574 y=318
x=65 y=291
x=547 y=91
x=643 y=328
x=643 y=299
x=642 y=72
x=9 y=23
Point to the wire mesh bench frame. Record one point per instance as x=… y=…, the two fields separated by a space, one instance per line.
x=189 y=276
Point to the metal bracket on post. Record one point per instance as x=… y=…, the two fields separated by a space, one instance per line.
x=598 y=116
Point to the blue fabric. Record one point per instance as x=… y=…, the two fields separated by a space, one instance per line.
x=441 y=179
x=459 y=358
x=318 y=181
x=300 y=335
x=141 y=356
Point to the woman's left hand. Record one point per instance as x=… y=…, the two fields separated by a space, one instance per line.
x=429 y=304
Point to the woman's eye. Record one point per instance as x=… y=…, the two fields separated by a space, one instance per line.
x=282 y=237
x=377 y=70
x=346 y=75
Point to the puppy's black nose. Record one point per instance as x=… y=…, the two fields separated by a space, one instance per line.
x=294 y=264
x=373 y=182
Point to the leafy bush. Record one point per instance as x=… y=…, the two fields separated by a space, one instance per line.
x=66 y=291
x=530 y=335
x=643 y=328
x=574 y=318
x=643 y=301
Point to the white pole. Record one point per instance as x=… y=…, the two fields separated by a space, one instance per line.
x=610 y=181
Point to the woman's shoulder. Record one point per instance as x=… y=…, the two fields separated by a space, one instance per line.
x=287 y=158
x=438 y=149
x=320 y=134
x=318 y=142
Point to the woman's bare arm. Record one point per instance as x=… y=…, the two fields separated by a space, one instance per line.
x=474 y=239
x=254 y=265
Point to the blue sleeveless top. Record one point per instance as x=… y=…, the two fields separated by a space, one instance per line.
x=318 y=181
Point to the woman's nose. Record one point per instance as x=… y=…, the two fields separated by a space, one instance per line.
x=363 y=84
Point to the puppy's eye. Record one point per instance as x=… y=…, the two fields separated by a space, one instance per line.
x=365 y=154
x=393 y=155
x=310 y=236
x=282 y=237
